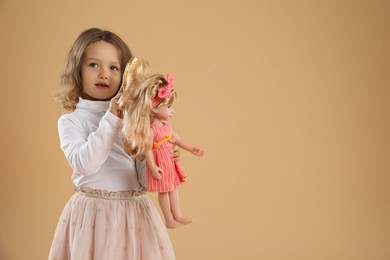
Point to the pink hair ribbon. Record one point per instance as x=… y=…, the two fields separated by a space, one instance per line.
x=165 y=92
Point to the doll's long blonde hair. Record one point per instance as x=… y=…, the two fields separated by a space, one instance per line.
x=139 y=89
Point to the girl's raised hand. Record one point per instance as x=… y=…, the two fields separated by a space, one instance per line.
x=114 y=106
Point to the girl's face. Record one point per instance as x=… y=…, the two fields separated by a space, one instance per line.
x=100 y=71
x=163 y=112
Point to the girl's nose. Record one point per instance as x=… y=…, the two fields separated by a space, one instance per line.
x=103 y=74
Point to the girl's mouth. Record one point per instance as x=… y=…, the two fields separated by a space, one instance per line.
x=101 y=85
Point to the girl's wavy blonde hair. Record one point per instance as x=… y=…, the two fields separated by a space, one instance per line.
x=70 y=88
x=139 y=89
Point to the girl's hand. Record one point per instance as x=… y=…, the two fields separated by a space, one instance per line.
x=156 y=173
x=114 y=107
x=198 y=152
x=175 y=153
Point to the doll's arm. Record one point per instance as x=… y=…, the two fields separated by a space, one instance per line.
x=156 y=171
x=186 y=146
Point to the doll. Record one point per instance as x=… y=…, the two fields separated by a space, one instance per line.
x=147 y=106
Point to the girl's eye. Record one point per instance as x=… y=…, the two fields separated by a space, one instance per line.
x=92 y=65
x=114 y=68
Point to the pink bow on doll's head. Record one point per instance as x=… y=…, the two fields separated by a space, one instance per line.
x=165 y=92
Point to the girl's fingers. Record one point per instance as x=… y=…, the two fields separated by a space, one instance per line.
x=119 y=94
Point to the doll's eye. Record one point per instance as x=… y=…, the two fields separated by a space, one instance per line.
x=114 y=68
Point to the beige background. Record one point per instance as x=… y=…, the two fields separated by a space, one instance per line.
x=290 y=99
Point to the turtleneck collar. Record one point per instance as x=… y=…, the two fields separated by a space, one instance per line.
x=94 y=106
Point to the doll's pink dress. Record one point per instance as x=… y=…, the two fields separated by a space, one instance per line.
x=173 y=174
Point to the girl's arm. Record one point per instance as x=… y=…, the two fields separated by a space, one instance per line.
x=186 y=146
x=86 y=152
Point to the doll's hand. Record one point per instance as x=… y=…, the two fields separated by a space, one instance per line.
x=156 y=173
x=198 y=152
x=114 y=107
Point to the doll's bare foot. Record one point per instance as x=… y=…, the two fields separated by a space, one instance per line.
x=172 y=224
x=184 y=220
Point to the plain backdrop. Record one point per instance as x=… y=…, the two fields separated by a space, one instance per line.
x=289 y=99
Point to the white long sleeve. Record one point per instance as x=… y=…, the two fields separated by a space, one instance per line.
x=89 y=140
x=86 y=154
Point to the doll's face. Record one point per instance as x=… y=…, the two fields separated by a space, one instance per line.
x=163 y=112
x=100 y=71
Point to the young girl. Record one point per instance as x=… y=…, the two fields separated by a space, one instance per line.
x=147 y=106
x=109 y=217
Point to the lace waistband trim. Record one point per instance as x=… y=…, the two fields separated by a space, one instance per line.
x=110 y=195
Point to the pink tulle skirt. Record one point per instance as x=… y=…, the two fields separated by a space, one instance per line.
x=97 y=225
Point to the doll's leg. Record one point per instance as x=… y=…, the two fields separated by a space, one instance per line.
x=164 y=200
x=175 y=208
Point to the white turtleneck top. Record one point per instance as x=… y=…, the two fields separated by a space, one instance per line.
x=89 y=140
